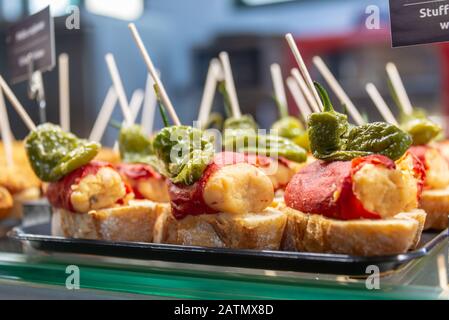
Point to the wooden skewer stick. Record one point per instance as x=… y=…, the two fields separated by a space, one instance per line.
x=230 y=85
x=380 y=104
x=338 y=90
x=305 y=90
x=16 y=104
x=6 y=132
x=278 y=85
x=299 y=98
x=213 y=76
x=64 y=92
x=149 y=107
x=118 y=86
x=152 y=70
x=302 y=67
x=399 y=88
x=104 y=115
x=135 y=104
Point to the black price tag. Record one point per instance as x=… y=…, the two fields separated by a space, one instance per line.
x=419 y=21
x=32 y=37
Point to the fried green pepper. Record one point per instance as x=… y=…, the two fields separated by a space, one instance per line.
x=328 y=129
x=422 y=131
x=379 y=138
x=54 y=153
x=215 y=120
x=266 y=145
x=135 y=146
x=185 y=153
x=333 y=138
x=288 y=127
x=420 y=127
x=302 y=140
x=245 y=122
x=232 y=125
x=416 y=124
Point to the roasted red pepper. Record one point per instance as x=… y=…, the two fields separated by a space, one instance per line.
x=59 y=193
x=420 y=153
x=188 y=200
x=418 y=167
x=134 y=172
x=326 y=188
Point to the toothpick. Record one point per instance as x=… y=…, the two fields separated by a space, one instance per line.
x=338 y=90
x=278 y=84
x=118 y=86
x=213 y=75
x=399 y=88
x=16 y=104
x=305 y=90
x=299 y=98
x=149 y=106
x=135 y=104
x=380 y=104
x=6 y=132
x=104 y=115
x=64 y=92
x=152 y=70
x=302 y=67
x=230 y=85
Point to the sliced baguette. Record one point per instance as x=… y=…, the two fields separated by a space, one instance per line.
x=127 y=223
x=6 y=202
x=436 y=204
x=20 y=198
x=316 y=233
x=259 y=231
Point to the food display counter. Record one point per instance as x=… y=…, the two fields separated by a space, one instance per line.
x=25 y=272
x=335 y=188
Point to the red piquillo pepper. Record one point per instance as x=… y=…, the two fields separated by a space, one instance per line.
x=326 y=188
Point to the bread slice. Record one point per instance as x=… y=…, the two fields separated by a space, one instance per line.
x=436 y=204
x=126 y=223
x=20 y=198
x=316 y=233
x=259 y=231
x=6 y=202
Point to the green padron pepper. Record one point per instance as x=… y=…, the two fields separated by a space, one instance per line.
x=333 y=138
x=302 y=140
x=238 y=126
x=185 y=153
x=266 y=145
x=291 y=128
x=134 y=145
x=288 y=127
x=215 y=120
x=379 y=138
x=420 y=127
x=54 y=153
x=327 y=130
x=416 y=124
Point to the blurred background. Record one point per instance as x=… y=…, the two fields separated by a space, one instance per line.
x=182 y=36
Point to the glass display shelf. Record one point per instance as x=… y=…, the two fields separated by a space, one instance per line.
x=25 y=272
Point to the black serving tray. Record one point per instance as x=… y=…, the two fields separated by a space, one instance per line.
x=40 y=238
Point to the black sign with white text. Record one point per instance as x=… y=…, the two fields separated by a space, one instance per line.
x=32 y=37
x=419 y=21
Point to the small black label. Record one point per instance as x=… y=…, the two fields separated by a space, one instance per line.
x=33 y=36
x=419 y=21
